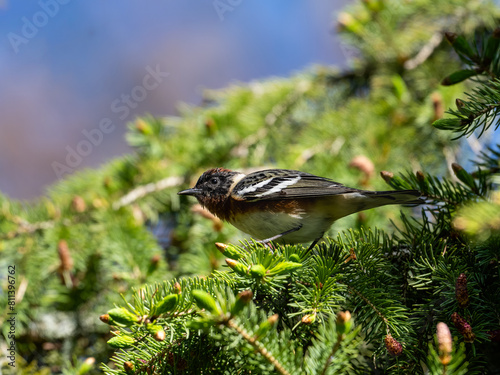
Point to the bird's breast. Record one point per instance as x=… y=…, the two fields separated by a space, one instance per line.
x=265 y=219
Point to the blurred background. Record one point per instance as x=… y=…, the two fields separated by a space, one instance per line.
x=67 y=65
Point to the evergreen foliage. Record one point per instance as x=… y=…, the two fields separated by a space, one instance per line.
x=119 y=244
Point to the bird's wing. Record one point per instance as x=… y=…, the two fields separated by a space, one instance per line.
x=285 y=184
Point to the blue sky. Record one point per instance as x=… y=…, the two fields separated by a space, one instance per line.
x=86 y=54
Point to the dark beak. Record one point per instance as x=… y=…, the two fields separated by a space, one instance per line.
x=192 y=191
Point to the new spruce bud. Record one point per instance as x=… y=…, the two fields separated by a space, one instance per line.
x=128 y=367
x=448 y=124
x=229 y=251
x=461 y=292
x=177 y=288
x=167 y=304
x=423 y=183
x=86 y=366
x=257 y=271
x=78 y=204
x=120 y=342
x=123 y=316
x=236 y=266
x=242 y=300
x=444 y=343
x=459 y=44
x=343 y=324
x=458 y=76
x=437 y=105
x=393 y=346
x=387 y=176
x=266 y=326
x=463 y=327
x=346 y=22
x=294 y=258
x=154 y=328
x=160 y=335
x=308 y=319
x=284 y=267
x=463 y=176
x=205 y=301
x=64 y=256
x=460 y=104
x=143 y=127
x=364 y=165
x=105 y=318
x=395 y=181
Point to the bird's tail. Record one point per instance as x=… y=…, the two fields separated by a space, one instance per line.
x=382 y=198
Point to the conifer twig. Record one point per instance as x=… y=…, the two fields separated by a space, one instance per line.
x=258 y=346
x=143 y=190
x=369 y=303
x=332 y=353
x=26 y=227
x=425 y=52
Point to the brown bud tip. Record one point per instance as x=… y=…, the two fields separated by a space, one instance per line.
x=273 y=319
x=231 y=262
x=456 y=167
x=78 y=204
x=461 y=293
x=420 y=176
x=89 y=361
x=64 y=256
x=344 y=20
x=444 y=343
x=160 y=335
x=155 y=259
x=209 y=122
x=138 y=214
x=343 y=317
x=128 y=367
x=141 y=125
x=363 y=164
x=107 y=181
x=393 y=346
x=221 y=246
x=177 y=288
x=450 y=37
x=308 y=319
x=105 y=318
x=387 y=176
x=245 y=296
x=438 y=105
x=459 y=103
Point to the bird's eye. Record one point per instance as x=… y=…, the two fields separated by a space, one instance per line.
x=214 y=180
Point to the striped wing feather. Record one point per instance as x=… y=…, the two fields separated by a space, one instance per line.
x=286 y=184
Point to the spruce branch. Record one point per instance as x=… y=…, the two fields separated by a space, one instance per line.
x=257 y=346
x=143 y=190
x=479 y=112
x=372 y=306
x=425 y=52
x=24 y=227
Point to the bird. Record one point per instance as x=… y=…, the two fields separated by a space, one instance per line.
x=286 y=206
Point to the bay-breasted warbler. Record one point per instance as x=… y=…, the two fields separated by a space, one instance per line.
x=286 y=206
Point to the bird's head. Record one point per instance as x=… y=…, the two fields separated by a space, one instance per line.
x=213 y=186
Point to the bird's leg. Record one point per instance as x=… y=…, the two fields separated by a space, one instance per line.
x=315 y=242
x=267 y=240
